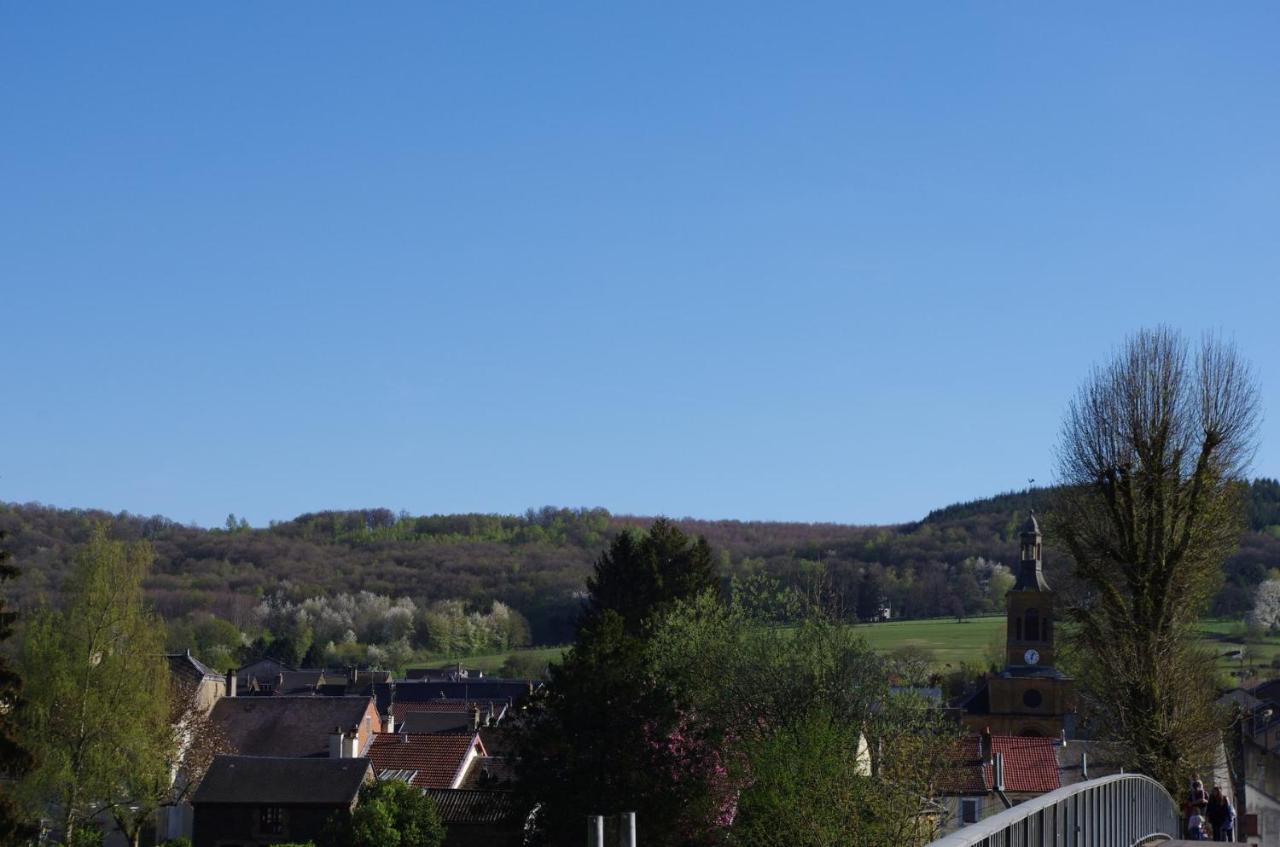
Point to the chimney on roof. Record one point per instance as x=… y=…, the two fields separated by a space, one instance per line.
x=1063 y=742
x=491 y=717
x=391 y=722
x=231 y=683
x=475 y=716
x=985 y=747
x=353 y=674
x=997 y=772
x=336 y=746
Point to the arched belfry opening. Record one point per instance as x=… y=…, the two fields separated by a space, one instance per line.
x=1032 y=630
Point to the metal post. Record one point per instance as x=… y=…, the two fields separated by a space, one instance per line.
x=627 y=829
x=595 y=831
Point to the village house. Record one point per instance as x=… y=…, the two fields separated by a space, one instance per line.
x=254 y=801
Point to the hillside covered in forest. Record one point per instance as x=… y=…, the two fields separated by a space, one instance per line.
x=343 y=581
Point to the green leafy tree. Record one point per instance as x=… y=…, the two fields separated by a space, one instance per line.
x=389 y=814
x=99 y=717
x=1152 y=455
x=802 y=727
x=15 y=760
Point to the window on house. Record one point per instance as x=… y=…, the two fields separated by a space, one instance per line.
x=271 y=820
x=969 y=811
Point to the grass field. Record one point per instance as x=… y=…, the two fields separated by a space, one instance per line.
x=952 y=642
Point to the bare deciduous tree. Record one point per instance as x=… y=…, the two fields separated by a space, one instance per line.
x=1151 y=453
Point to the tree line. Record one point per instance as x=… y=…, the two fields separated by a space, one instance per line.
x=536 y=564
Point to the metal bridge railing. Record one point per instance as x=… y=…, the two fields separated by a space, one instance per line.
x=1112 y=811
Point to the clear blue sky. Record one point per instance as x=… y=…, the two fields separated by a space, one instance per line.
x=805 y=262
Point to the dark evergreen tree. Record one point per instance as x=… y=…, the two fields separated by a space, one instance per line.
x=15 y=760
x=643 y=573
x=598 y=739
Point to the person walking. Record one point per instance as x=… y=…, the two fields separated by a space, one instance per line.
x=1216 y=812
x=1228 y=831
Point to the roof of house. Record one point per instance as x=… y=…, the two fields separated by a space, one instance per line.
x=447 y=672
x=286 y=726
x=1030 y=765
x=263 y=667
x=467 y=689
x=965 y=775
x=282 y=781
x=499 y=707
x=1269 y=690
x=459 y=806
x=435 y=760
x=978 y=702
x=1241 y=698
x=186 y=666
x=422 y=723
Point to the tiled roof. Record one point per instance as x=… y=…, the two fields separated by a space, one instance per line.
x=965 y=775
x=1030 y=764
x=435 y=758
x=286 y=726
x=457 y=806
x=283 y=781
x=459 y=706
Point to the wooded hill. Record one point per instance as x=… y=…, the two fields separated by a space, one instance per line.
x=954 y=561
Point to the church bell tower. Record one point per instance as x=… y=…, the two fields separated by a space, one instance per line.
x=1030 y=618
x=1030 y=696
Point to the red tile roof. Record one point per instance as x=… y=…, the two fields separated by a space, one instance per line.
x=436 y=758
x=1030 y=764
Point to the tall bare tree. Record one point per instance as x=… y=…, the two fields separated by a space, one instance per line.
x=1151 y=454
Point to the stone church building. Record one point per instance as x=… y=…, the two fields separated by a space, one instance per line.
x=1030 y=697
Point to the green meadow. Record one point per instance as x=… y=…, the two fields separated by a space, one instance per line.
x=974 y=640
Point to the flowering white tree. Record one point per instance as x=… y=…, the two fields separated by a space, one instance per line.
x=1266 y=605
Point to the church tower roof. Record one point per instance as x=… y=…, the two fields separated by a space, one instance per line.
x=1030 y=575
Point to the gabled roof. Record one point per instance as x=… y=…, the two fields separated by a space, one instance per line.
x=188 y=667
x=425 y=723
x=498 y=707
x=286 y=726
x=1030 y=765
x=436 y=760
x=471 y=807
x=282 y=781
x=469 y=689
